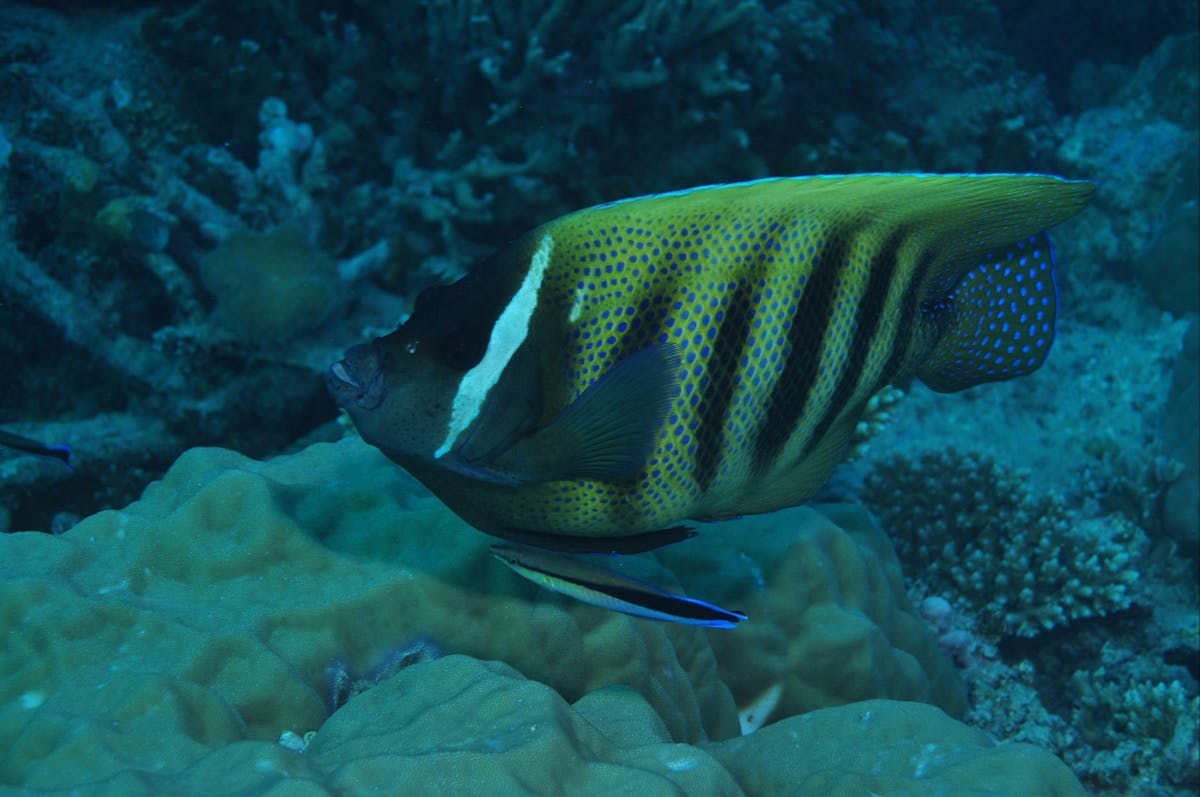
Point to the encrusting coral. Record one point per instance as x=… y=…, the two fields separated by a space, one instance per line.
x=168 y=645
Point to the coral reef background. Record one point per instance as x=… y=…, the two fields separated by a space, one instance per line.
x=202 y=204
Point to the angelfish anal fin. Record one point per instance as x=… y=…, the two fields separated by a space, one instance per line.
x=590 y=582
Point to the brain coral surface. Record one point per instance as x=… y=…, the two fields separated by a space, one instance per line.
x=165 y=647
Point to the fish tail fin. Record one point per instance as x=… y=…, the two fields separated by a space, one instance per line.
x=990 y=299
x=998 y=322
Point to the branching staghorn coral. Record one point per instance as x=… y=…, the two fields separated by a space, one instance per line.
x=1024 y=561
x=124 y=241
x=1142 y=728
x=878 y=414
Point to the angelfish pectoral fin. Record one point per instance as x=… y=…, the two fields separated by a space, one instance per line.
x=609 y=430
x=587 y=581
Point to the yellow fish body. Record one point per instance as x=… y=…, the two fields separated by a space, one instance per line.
x=703 y=353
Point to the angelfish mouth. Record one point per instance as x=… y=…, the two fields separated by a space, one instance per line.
x=339 y=371
x=356 y=380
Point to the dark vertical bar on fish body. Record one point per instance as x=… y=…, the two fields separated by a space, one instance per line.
x=882 y=273
x=728 y=347
x=906 y=327
x=806 y=339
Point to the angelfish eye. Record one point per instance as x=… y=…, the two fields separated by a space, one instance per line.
x=462 y=350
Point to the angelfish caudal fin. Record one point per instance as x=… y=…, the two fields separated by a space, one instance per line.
x=587 y=581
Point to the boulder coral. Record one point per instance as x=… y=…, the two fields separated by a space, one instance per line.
x=166 y=647
x=832 y=624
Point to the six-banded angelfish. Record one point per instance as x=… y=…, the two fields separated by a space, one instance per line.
x=592 y=583
x=704 y=353
x=24 y=444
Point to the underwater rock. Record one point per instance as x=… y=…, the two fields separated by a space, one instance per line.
x=460 y=726
x=1181 y=437
x=888 y=747
x=271 y=286
x=1140 y=146
x=163 y=648
x=1172 y=262
x=463 y=726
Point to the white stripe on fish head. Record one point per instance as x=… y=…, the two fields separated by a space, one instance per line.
x=508 y=333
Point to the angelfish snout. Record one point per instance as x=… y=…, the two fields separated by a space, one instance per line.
x=357 y=379
x=340 y=372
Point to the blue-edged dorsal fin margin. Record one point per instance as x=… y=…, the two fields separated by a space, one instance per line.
x=629 y=544
x=608 y=431
x=590 y=582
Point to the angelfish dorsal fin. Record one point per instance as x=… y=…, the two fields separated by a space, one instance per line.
x=609 y=430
